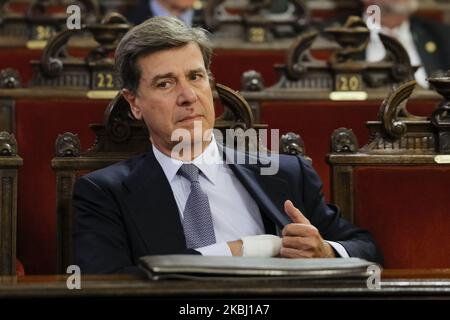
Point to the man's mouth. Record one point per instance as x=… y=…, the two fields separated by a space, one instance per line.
x=191 y=118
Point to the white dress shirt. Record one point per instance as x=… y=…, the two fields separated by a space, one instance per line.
x=376 y=51
x=234 y=212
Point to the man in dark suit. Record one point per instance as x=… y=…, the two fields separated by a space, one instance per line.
x=427 y=41
x=185 y=200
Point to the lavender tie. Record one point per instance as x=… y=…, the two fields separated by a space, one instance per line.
x=198 y=226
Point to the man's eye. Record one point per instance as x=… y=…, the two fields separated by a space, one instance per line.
x=163 y=84
x=196 y=76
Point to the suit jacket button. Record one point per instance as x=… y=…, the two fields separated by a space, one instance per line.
x=430 y=46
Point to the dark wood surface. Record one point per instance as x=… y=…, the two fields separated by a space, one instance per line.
x=431 y=283
x=416 y=274
x=10 y=163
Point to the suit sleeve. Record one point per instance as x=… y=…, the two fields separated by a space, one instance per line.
x=327 y=219
x=101 y=242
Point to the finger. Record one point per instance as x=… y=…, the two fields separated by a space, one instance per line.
x=295 y=214
x=293 y=253
x=298 y=243
x=299 y=230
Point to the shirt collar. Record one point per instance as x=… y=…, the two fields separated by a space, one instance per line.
x=208 y=162
x=159 y=10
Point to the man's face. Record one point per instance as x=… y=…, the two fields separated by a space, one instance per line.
x=174 y=91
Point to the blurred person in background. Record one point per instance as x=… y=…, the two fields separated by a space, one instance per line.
x=426 y=41
x=182 y=9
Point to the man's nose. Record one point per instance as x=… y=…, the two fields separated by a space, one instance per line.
x=187 y=95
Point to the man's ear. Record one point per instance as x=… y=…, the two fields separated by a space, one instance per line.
x=131 y=98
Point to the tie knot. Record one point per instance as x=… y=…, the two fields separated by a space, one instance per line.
x=189 y=171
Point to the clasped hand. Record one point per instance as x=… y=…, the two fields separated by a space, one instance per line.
x=300 y=239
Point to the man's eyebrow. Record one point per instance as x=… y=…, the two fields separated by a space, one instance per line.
x=198 y=70
x=158 y=77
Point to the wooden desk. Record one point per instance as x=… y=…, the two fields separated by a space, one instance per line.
x=416 y=274
x=432 y=284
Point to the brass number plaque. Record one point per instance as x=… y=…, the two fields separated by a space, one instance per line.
x=348 y=82
x=42 y=32
x=256 y=34
x=103 y=81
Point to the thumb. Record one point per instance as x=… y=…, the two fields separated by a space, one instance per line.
x=295 y=214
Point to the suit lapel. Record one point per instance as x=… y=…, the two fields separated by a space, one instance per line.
x=153 y=208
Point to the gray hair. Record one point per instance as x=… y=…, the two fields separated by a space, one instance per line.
x=156 y=34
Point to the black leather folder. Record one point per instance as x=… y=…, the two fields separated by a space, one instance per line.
x=207 y=267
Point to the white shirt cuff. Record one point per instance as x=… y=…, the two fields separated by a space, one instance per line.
x=216 y=249
x=339 y=249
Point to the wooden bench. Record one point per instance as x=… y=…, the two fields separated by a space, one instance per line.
x=396 y=186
